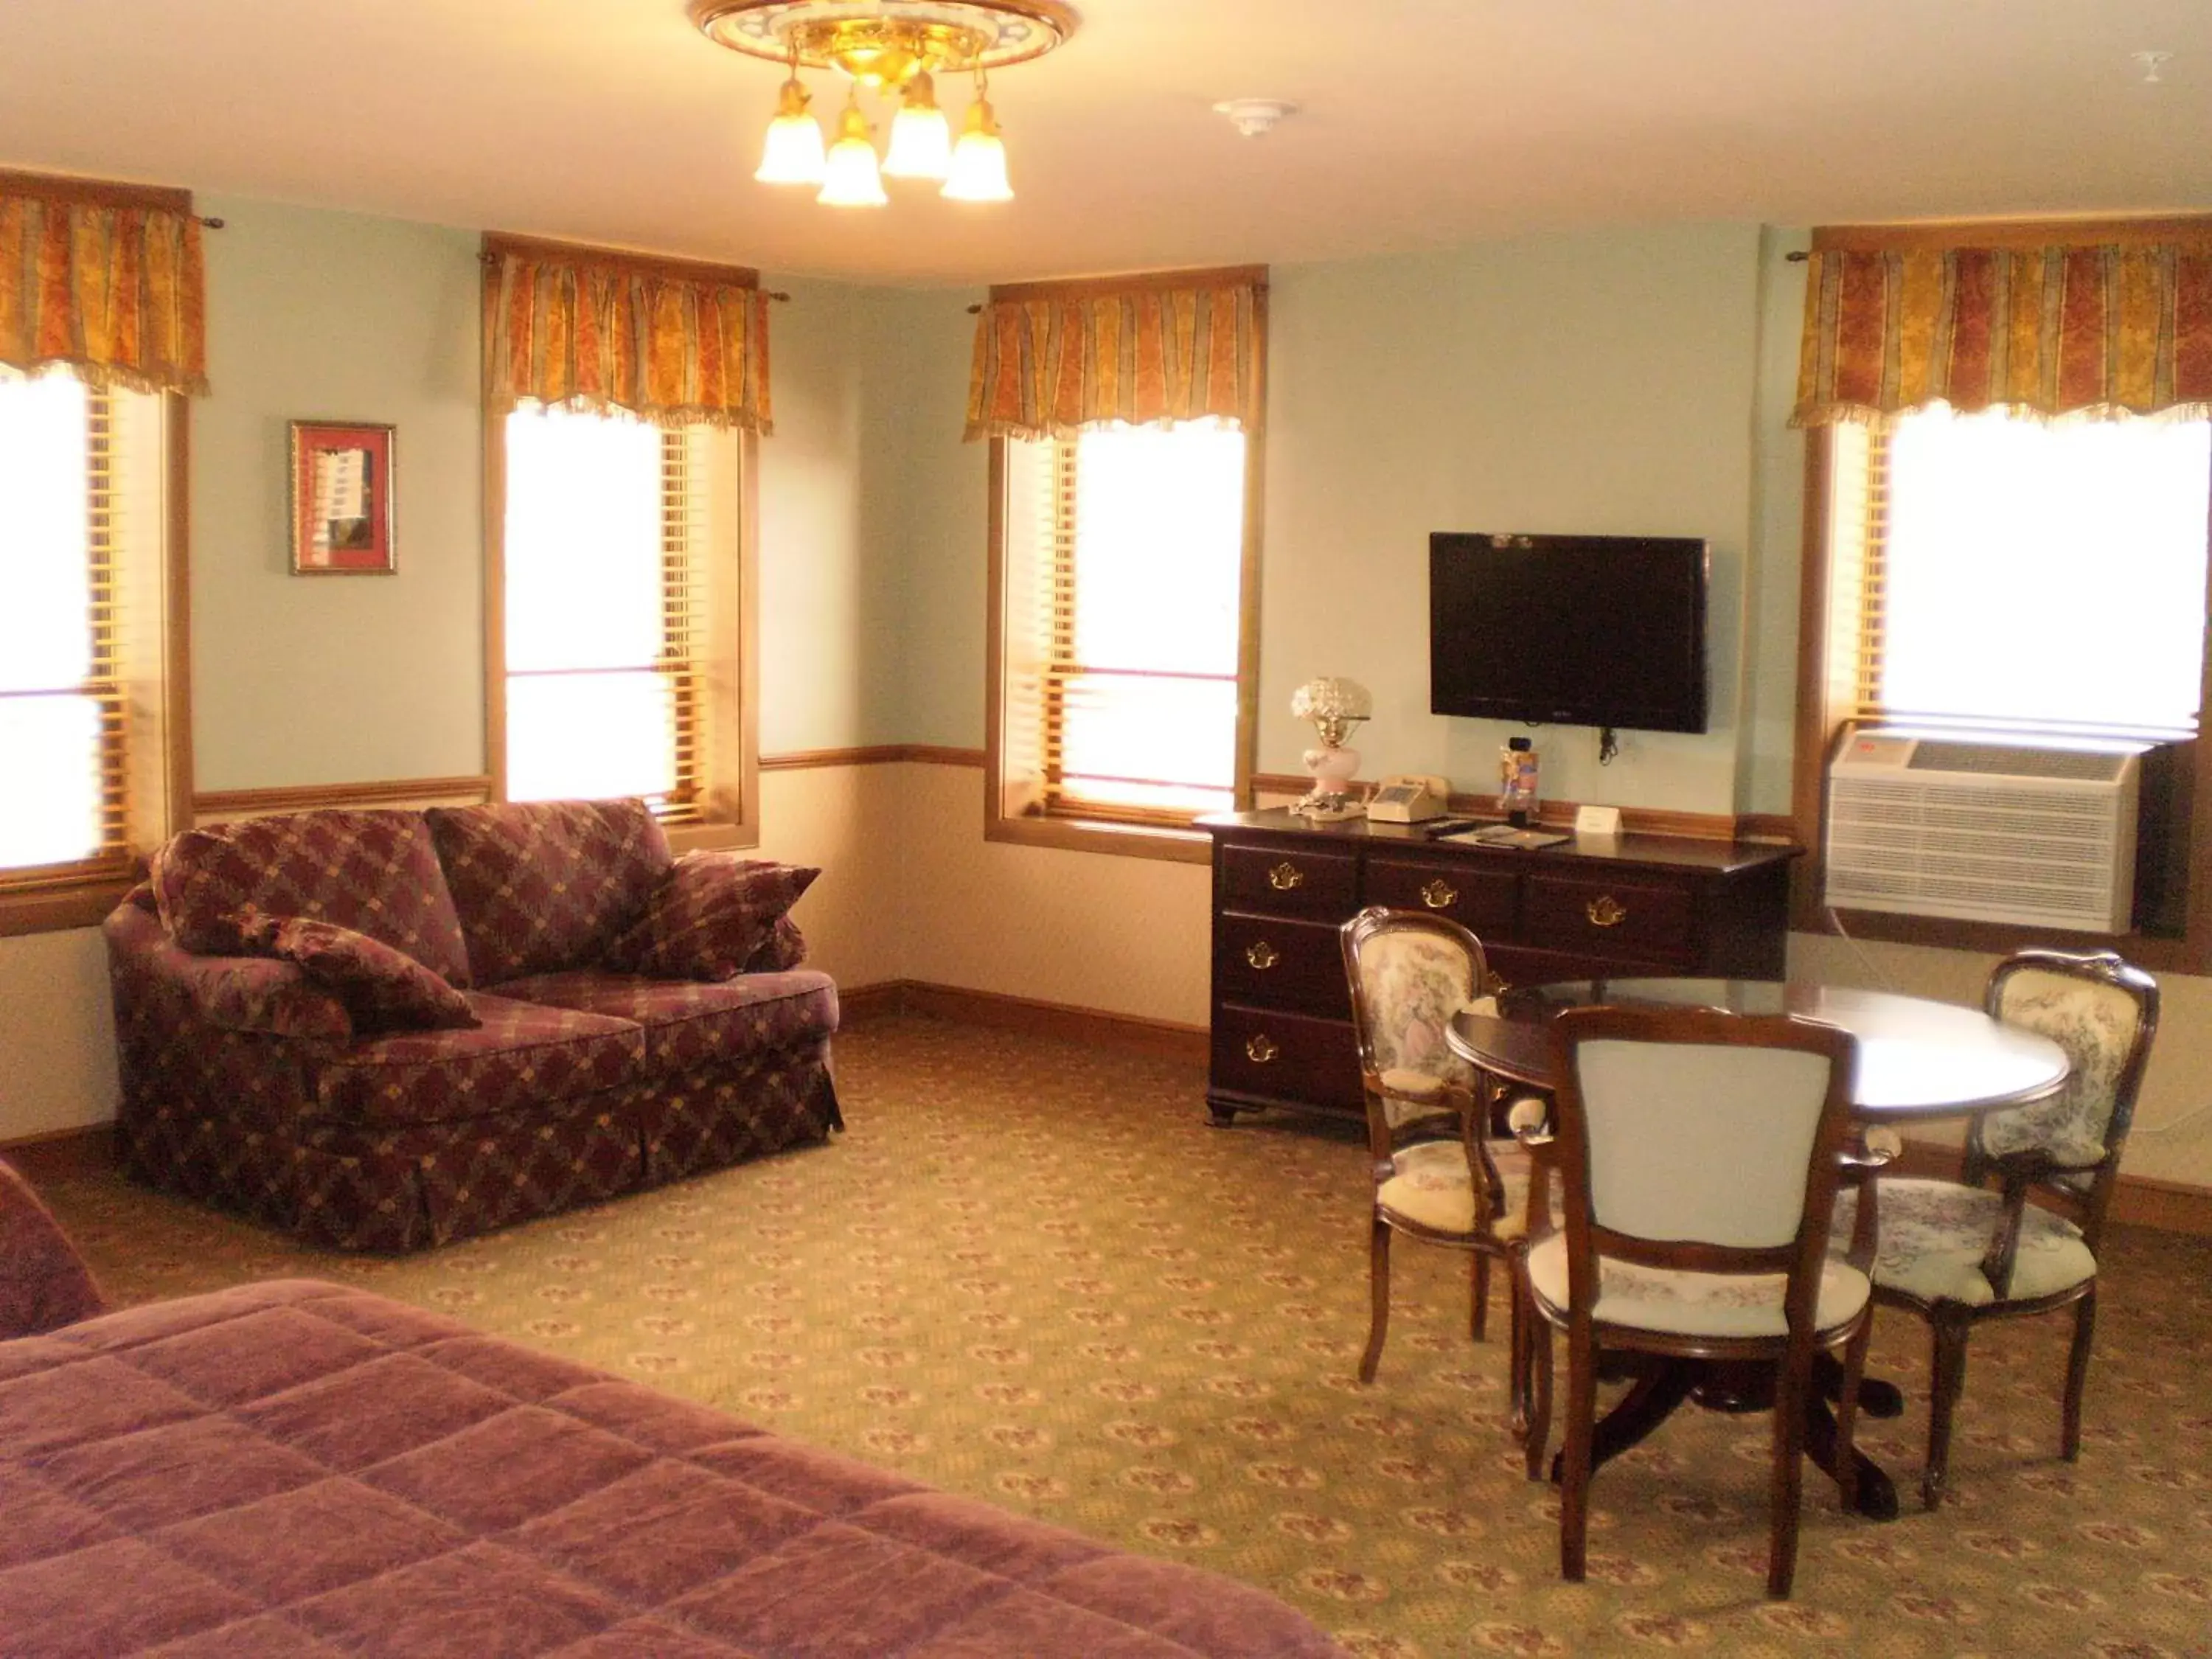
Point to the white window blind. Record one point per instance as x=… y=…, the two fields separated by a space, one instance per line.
x=2016 y=574
x=61 y=730
x=1134 y=537
x=603 y=610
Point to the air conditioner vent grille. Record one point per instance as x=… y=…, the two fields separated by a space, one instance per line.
x=2089 y=766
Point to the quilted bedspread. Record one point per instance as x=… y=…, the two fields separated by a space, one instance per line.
x=295 y=1468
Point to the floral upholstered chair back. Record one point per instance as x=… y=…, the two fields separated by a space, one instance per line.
x=2103 y=1013
x=1409 y=974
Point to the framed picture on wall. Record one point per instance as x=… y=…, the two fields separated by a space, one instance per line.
x=342 y=499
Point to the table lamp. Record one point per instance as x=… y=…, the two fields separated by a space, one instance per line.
x=1335 y=707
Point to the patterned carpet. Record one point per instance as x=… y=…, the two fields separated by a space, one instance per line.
x=1030 y=1272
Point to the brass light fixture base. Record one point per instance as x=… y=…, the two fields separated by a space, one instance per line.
x=885 y=43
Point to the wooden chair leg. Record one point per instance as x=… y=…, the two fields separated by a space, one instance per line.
x=1947 y=1380
x=1847 y=1415
x=1538 y=1440
x=1378 y=1290
x=1786 y=1489
x=1479 y=1320
x=1575 y=1471
x=1519 y=1317
x=2077 y=1373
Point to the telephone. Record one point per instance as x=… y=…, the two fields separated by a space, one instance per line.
x=1408 y=799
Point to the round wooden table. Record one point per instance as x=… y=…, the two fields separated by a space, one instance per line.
x=1918 y=1060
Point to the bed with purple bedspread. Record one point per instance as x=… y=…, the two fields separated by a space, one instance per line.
x=299 y=1469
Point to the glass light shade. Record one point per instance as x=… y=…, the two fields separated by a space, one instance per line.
x=849 y=178
x=979 y=160
x=922 y=138
x=1332 y=698
x=792 y=152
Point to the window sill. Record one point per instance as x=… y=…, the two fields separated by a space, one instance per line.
x=60 y=906
x=1136 y=841
x=2157 y=953
x=711 y=837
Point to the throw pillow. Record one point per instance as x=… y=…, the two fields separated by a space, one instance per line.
x=709 y=915
x=383 y=990
x=786 y=949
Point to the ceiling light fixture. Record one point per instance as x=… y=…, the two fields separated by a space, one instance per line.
x=888 y=47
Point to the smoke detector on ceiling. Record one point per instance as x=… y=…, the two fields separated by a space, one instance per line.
x=1253 y=117
x=2150 y=62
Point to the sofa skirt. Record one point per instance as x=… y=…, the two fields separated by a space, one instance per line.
x=393 y=1189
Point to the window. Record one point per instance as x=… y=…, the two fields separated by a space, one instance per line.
x=601 y=671
x=84 y=652
x=1124 y=568
x=2006 y=572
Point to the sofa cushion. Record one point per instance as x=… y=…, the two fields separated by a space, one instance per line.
x=709 y=916
x=689 y=1024
x=521 y=1054
x=376 y=872
x=383 y=990
x=540 y=885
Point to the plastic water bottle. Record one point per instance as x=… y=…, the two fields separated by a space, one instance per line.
x=1517 y=780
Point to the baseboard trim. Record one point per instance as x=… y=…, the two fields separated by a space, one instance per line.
x=2166 y=1207
x=1160 y=1039
x=63 y=1154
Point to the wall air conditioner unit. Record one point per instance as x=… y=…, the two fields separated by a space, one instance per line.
x=1999 y=829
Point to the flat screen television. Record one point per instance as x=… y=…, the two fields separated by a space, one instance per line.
x=1571 y=631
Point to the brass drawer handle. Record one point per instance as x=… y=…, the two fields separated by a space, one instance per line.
x=1285 y=876
x=1260 y=1049
x=1440 y=895
x=1262 y=955
x=1606 y=911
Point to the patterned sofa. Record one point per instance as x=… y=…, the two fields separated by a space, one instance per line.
x=250 y=1083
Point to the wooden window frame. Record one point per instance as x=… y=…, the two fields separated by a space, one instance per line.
x=1825 y=705
x=722 y=691
x=1005 y=818
x=152 y=676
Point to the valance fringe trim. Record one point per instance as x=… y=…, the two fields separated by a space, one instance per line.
x=673 y=415
x=110 y=377
x=1886 y=420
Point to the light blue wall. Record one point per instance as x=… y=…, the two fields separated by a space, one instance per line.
x=314 y=315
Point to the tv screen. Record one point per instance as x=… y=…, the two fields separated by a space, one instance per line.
x=1572 y=630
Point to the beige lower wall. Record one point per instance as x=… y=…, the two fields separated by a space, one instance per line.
x=57 y=1038
x=1090 y=930
x=910 y=889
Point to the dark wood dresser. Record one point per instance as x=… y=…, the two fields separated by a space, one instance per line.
x=1282 y=885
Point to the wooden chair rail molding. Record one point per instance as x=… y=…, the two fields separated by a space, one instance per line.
x=1560 y=814
x=215 y=805
x=882 y=754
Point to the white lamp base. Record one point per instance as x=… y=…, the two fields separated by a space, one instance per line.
x=1329 y=800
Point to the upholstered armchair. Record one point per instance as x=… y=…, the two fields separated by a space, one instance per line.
x=2018 y=1233
x=1699 y=1154
x=1437 y=1176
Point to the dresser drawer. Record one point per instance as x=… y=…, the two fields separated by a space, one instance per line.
x=1292 y=882
x=1289 y=1057
x=1271 y=961
x=1483 y=901
x=1609 y=919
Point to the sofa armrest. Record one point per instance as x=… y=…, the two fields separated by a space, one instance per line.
x=44 y=1283
x=239 y=993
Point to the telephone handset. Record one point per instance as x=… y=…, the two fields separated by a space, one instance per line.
x=1408 y=799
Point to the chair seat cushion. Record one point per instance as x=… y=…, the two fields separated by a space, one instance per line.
x=1430 y=1189
x=1693 y=1303
x=688 y=1022
x=1935 y=1233
x=522 y=1056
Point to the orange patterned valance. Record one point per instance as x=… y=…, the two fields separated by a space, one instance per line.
x=1053 y=358
x=678 y=344
x=2113 y=324
x=104 y=278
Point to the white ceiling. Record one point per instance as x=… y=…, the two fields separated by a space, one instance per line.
x=1425 y=122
